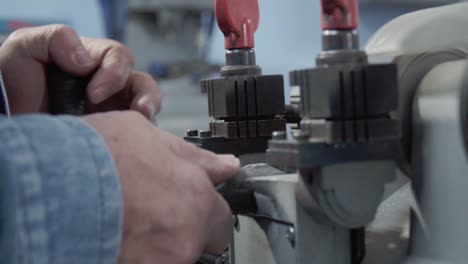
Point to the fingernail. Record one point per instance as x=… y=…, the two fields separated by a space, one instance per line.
x=81 y=57
x=98 y=95
x=230 y=160
x=151 y=109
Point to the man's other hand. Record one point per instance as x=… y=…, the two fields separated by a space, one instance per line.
x=115 y=85
x=172 y=211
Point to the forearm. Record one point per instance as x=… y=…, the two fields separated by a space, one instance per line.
x=64 y=202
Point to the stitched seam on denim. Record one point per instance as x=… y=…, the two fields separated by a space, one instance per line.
x=21 y=225
x=101 y=200
x=108 y=175
x=45 y=190
x=101 y=196
x=41 y=203
x=11 y=190
x=4 y=96
x=27 y=207
x=99 y=154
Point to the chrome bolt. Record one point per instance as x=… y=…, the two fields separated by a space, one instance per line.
x=279 y=135
x=192 y=133
x=291 y=236
x=205 y=134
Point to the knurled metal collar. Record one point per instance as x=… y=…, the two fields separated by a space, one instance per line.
x=240 y=62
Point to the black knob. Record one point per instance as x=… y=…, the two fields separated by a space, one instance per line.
x=66 y=92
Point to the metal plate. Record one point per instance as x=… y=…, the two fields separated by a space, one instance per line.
x=464 y=109
x=347 y=91
x=247 y=129
x=411 y=70
x=245 y=97
x=238 y=146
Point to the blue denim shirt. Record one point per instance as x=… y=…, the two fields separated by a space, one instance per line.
x=60 y=198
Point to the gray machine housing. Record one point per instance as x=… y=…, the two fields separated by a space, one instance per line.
x=429 y=49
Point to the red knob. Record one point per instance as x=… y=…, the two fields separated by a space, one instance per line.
x=340 y=14
x=238 y=20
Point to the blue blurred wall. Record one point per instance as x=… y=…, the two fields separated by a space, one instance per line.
x=84 y=15
x=289 y=33
x=115 y=17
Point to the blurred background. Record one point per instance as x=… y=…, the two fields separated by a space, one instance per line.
x=178 y=42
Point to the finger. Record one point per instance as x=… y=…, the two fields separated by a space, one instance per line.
x=55 y=43
x=219 y=168
x=221 y=228
x=146 y=97
x=116 y=65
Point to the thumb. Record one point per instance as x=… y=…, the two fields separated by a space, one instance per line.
x=58 y=44
x=219 y=168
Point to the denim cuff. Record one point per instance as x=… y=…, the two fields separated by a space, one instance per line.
x=66 y=204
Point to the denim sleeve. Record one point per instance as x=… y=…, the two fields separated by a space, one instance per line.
x=60 y=194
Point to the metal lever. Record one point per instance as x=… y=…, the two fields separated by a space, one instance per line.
x=340 y=14
x=238 y=19
x=241 y=202
x=66 y=92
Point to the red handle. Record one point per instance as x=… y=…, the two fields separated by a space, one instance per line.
x=238 y=20
x=340 y=14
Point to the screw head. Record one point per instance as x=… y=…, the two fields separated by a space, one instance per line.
x=291 y=236
x=279 y=135
x=192 y=133
x=205 y=134
x=301 y=136
x=236 y=223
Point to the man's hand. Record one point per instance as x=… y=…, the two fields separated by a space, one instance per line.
x=172 y=212
x=115 y=86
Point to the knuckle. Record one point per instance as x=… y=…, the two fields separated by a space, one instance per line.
x=207 y=195
x=149 y=80
x=226 y=210
x=44 y=31
x=17 y=34
x=146 y=77
x=113 y=76
x=199 y=186
x=18 y=37
x=179 y=147
x=194 y=150
x=137 y=121
x=135 y=117
x=125 y=52
x=27 y=37
x=61 y=29
x=188 y=249
x=159 y=103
